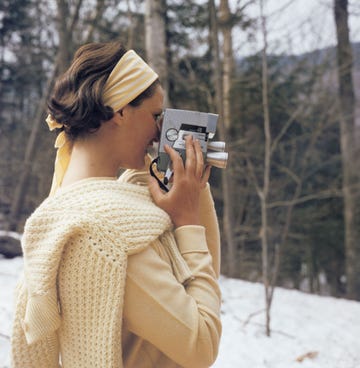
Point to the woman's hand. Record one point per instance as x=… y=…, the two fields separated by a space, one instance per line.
x=182 y=201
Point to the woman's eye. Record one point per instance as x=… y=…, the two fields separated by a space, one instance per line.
x=158 y=117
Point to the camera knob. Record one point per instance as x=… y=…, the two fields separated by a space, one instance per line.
x=171 y=134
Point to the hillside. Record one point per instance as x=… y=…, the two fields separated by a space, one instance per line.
x=309 y=331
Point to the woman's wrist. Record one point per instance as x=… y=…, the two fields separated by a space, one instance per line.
x=187 y=220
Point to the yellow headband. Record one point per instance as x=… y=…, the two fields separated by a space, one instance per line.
x=130 y=77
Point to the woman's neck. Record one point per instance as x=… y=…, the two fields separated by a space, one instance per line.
x=89 y=159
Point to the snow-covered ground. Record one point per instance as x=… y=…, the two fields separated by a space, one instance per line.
x=308 y=331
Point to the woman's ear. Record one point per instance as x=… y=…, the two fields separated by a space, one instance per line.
x=118 y=117
x=123 y=115
x=124 y=112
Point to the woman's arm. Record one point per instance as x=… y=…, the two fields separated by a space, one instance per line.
x=181 y=321
x=208 y=219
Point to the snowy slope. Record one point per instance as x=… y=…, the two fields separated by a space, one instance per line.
x=321 y=332
x=308 y=331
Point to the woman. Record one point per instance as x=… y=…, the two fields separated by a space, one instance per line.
x=117 y=273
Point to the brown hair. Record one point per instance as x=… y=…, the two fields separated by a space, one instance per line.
x=77 y=97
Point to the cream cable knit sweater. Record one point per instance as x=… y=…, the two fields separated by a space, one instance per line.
x=76 y=246
x=101 y=221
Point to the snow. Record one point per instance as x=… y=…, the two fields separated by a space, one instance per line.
x=302 y=324
x=9 y=273
x=308 y=331
x=10 y=234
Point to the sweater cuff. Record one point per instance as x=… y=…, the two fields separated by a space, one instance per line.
x=41 y=317
x=191 y=238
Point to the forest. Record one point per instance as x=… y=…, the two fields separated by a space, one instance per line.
x=288 y=201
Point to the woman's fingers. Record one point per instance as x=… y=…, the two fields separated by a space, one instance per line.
x=175 y=158
x=199 y=159
x=190 y=162
x=182 y=201
x=194 y=162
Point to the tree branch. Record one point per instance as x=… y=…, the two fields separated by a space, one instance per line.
x=320 y=195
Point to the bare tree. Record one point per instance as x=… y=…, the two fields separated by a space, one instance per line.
x=264 y=192
x=155 y=39
x=99 y=12
x=130 y=38
x=225 y=20
x=29 y=154
x=350 y=148
x=228 y=217
x=66 y=26
x=226 y=25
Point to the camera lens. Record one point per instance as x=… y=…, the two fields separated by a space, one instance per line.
x=217 y=159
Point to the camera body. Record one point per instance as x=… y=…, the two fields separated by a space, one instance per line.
x=177 y=124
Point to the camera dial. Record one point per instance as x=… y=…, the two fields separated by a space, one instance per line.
x=172 y=134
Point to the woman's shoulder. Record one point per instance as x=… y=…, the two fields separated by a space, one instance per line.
x=124 y=210
x=96 y=195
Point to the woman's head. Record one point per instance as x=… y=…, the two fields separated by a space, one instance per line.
x=111 y=93
x=87 y=94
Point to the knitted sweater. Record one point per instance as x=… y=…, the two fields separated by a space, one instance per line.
x=76 y=247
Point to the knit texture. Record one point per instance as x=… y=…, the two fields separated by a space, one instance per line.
x=75 y=248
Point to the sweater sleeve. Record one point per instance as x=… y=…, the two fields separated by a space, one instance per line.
x=208 y=219
x=40 y=354
x=182 y=322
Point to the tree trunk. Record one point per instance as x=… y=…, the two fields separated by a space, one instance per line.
x=225 y=22
x=155 y=39
x=228 y=218
x=99 y=13
x=349 y=149
x=132 y=25
x=65 y=29
x=225 y=25
x=29 y=155
x=266 y=177
x=65 y=37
